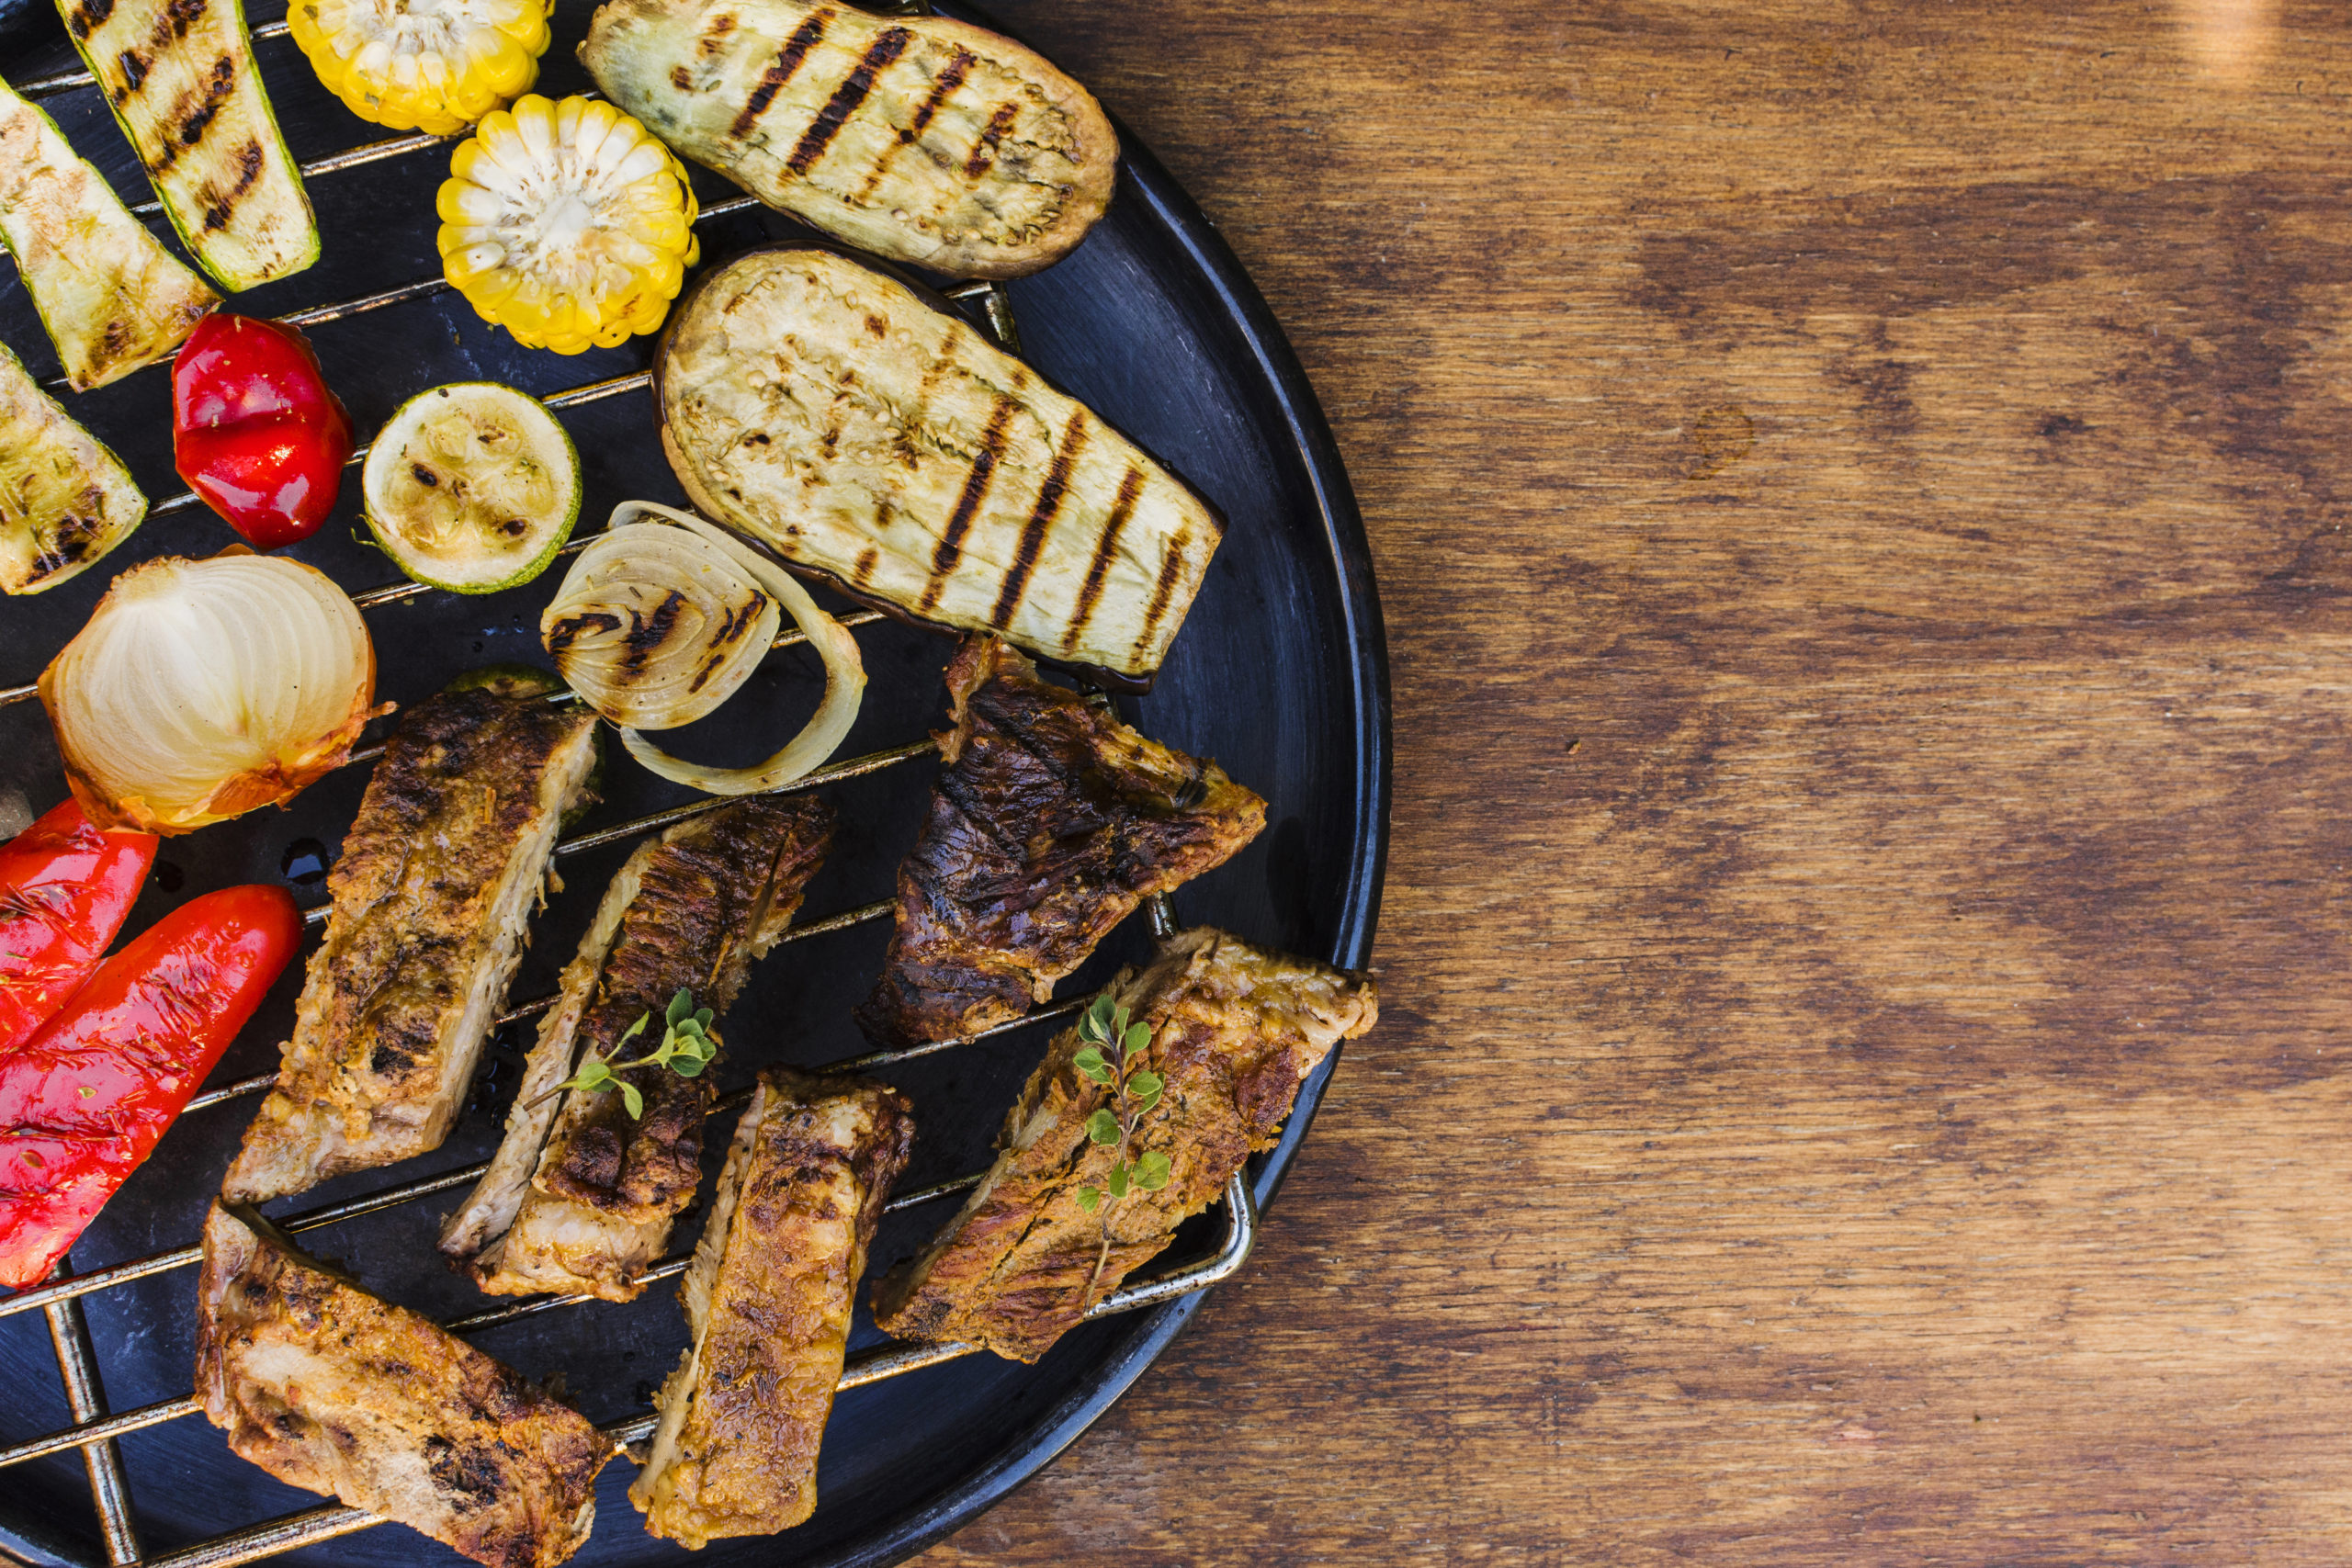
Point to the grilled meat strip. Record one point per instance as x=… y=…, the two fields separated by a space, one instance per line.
x=768 y=1302
x=437 y=879
x=326 y=1387
x=580 y=1196
x=1049 y=824
x=917 y=138
x=1235 y=1031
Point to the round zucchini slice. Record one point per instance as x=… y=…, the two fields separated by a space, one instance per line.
x=472 y=487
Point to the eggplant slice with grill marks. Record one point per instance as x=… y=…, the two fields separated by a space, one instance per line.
x=439 y=878
x=768 y=1300
x=179 y=75
x=326 y=1387
x=1051 y=822
x=917 y=138
x=580 y=1196
x=1235 y=1031
x=830 y=413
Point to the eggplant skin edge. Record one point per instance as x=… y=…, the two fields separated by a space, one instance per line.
x=1199 y=525
x=643 y=53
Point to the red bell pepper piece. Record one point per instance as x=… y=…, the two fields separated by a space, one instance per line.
x=254 y=431
x=82 y=1102
x=65 y=889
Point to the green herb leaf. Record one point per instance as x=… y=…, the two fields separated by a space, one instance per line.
x=1089 y=1061
x=631 y=1098
x=1145 y=1084
x=1089 y=1198
x=1135 y=1038
x=682 y=1008
x=1118 y=1181
x=631 y=1033
x=1151 y=1170
x=687 y=1067
x=1096 y=1023
x=1103 y=1127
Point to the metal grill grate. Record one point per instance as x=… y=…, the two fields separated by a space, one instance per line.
x=94 y=1431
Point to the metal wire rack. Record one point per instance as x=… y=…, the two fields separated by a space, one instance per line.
x=95 y=1430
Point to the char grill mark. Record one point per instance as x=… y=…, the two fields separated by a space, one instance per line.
x=787 y=61
x=1041 y=520
x=1051 y=821
x=951 y=76
x=984 y=150
x=1171 y=566
x=880 y=54
x=959 y=522
x=1106 y=549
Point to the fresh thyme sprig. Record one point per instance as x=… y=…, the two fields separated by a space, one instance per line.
x=686 y=1049
x=1111 y=1056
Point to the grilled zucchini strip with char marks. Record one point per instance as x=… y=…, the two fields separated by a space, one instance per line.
x=1235 y=1032
x=110 y=297
x=65 y=499
x=437 y=880
x=768 y=1300
x=580 y=1195
x=1051 y=822
x=919 y=138
x=828 y=413
x=179 y=75
x=326 y=1387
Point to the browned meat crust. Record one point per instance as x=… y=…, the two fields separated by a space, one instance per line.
x=1236 y=1029
x=437 y=880
x=768 y=1303
x=711 y=895
x=326 y=1387
x=1050 y=823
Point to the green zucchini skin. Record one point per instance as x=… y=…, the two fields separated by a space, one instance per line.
x=112 y=297
x=179 y=75
x=65 y=499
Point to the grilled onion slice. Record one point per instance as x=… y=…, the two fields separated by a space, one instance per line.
x=660 y=622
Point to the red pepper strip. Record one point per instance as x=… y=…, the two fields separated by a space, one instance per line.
x=254 y=431
x=66 y=888
x=82 y=1102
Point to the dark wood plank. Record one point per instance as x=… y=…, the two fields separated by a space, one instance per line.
x=1859 y=494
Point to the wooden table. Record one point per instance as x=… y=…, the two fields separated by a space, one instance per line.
x=1861 y=500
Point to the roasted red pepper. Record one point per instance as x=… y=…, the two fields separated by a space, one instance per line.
x=66 y=888
x=254 y=431
x=82 y=1102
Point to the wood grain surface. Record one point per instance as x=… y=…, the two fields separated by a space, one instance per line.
x=1860 y=493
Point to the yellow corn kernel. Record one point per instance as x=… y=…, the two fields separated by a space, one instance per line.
x=566 y=224
x=432 y=65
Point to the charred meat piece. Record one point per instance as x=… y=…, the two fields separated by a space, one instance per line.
x=768 y=1302
x=580 y=1196
x=1235 y=1031
x=1050 y=823
x=437 y=880
x=325 y=1386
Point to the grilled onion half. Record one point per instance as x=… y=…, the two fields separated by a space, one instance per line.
x=660 y=622
x=202 y=689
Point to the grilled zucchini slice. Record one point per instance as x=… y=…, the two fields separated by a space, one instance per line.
x=830 y=413
x=64 y=499
x=916 y=138
x=179 y=75
x=112 y=297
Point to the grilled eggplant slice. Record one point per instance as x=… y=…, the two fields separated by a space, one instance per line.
x=110 y=295
x=326 y=1387
x=180 y=78
x=1049 y=824
x=828 y=413
x=580 y=1195
x=916 y=138
x=436 y=883
x=768 y=1301
x=65 y=499
x=1235 y=1031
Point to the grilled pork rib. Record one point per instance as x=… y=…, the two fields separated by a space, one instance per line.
x=436 y=882
x=580 y=1196
x=1235 y=1031
x=326 y=1387
x=1049 y=824
x=768 y=1301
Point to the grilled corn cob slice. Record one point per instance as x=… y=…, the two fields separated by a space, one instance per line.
x=430 y=65
x=64 y=499
x=112 y=297
x=566 y=224
x=179 y=76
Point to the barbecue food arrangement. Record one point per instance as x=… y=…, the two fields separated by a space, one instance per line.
x=828 y=418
